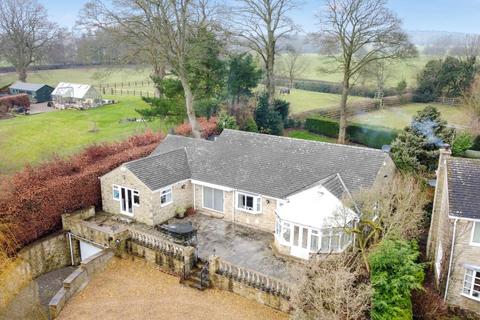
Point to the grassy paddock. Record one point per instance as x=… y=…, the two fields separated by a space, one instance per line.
x=34 y=138
x=399 y=117
x=301 y=100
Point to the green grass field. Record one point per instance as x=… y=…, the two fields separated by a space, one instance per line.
x=94 y=75
x=34 y=138
x=320 y=67
x=302 y=134
x=399 y=117
x=301 y=100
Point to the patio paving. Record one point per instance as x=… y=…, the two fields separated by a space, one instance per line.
x=243 y=246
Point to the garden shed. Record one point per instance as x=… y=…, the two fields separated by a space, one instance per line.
x=74 y=95
x=37 y=92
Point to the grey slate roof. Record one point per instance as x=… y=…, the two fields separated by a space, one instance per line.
x=27 y=86
x=270 y=165
x=464 y=187
x=161 y=170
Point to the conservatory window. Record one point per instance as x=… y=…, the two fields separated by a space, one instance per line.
x=286 y=232
x=314 y=241
x=471 y=283
x=248 y=202
x=296 y=234
x=278 y=226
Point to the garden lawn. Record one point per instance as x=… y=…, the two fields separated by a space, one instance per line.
x=35 y=138
x=302 y=100
x=303 y=134
x=399 y=117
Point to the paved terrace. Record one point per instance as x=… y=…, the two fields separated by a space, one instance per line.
x=243 y=246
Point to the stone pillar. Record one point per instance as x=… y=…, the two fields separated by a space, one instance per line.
x=213 y=264
x=188 y=259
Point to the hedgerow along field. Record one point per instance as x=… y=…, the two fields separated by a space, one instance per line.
x=36 y=138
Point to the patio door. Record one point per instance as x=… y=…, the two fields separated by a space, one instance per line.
x=126 y=201
x=300 y=242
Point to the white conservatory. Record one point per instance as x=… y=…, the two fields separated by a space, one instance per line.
x=74 y=95
x=312 y=221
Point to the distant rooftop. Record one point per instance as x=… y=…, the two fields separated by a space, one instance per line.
x=27 y=86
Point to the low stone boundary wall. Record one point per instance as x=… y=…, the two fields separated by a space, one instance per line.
x=249 y=284
x=169 y=256
x=78 y=279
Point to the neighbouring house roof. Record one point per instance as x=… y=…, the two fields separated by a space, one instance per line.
x=271 y=165
x=71 y=90
x=27 y=86
x=161 y=170
x=464 y=187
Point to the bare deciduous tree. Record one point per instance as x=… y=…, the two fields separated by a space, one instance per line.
x=332 y=288
x=357 y=33
x=292 y=65
x=25 y=33
x=471 y=100
x=261 y=23
x=165 y=31
x=395 y=210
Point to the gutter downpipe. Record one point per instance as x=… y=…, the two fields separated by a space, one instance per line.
x=451 y=259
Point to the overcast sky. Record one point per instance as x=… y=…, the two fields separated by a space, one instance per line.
x=425 y=15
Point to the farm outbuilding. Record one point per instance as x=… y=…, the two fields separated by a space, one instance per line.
x=37 y=92
x=74 y=95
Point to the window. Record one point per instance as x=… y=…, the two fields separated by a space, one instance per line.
x=248 y=202
x=286 y=232
x=213 y=199
x=278 y=226
x=136 y=198
x=476 y=233
x=166 y=196
x=116 y=193
x=314 y=241
x=296 y=235
x=471 y=283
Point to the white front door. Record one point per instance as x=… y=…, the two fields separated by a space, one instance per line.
x=87 y=250
x=126 y=201
x=299 y=246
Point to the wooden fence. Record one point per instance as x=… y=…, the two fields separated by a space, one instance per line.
x=142 y=88
x=252 y=278
x=449 y=101
x=354 y=108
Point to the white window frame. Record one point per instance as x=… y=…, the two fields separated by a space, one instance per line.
x=136 y=193
x=115 y=188
x=476 y=224
x=257 y=202
x=213 y=200
x=474 y=270
x=167 y=190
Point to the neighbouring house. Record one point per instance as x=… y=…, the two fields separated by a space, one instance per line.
x=37 y=92
x=454 y=237
x=290 y=187
x=73 y=95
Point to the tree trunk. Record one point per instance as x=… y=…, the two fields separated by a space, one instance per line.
x=159 y=74
x=22 y=74
x=342 y=132
x=271 y=78
x=189 y=105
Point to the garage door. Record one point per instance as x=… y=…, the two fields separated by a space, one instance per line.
x=87 y=250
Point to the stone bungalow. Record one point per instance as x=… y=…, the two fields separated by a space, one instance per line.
x=454 y=237
x=290 y=187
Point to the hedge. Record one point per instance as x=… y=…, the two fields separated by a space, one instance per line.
x=332 y=87
x=370 y=136
x=33 y=200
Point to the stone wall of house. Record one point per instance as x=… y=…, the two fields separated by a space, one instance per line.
x=42 y=256
x=464 y=253
x=386 y=172
x=264 y=221
x=78 y=280
x=150 y=211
